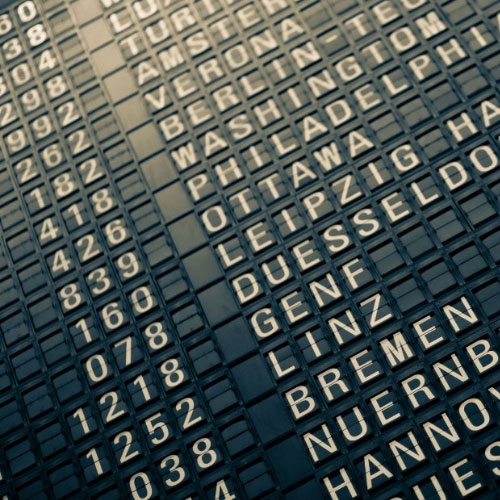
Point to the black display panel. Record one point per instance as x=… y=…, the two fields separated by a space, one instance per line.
x=249 y=249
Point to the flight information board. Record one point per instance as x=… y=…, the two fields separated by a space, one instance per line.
x=249 y=249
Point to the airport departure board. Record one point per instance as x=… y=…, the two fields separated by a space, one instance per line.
x=249 y=249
